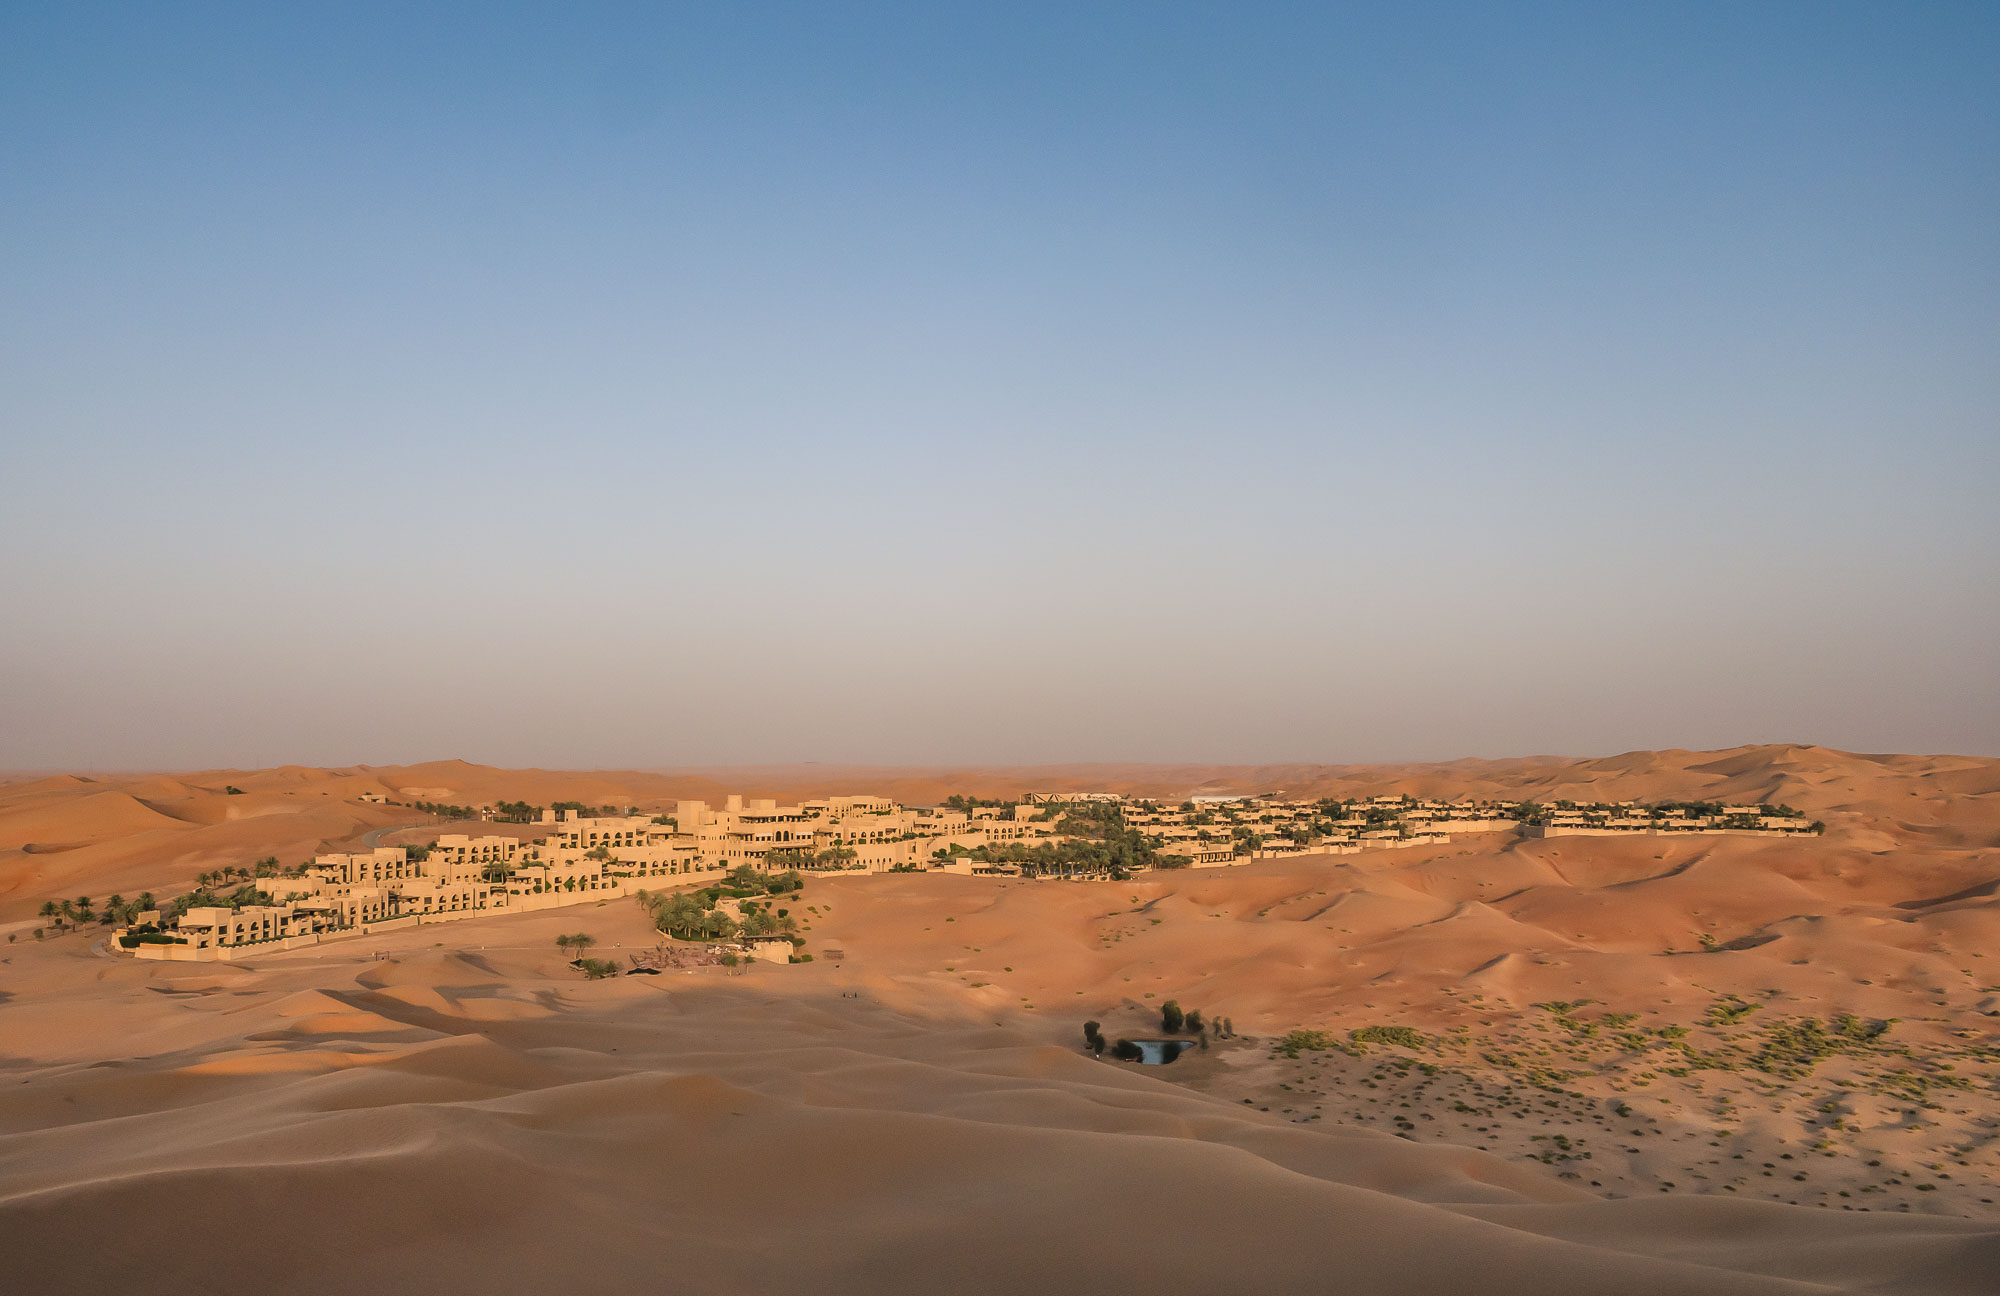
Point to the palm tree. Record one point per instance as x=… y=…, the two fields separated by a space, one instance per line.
x=581 y=942
x=49 y=910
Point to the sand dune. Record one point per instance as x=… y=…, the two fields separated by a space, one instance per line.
x=724 y=1133
x=451 y=1108
x=52 y=825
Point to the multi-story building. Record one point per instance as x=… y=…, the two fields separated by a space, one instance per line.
x=577 y=858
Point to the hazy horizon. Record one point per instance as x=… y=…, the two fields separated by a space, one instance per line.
x=651 y=387
x=904 y=769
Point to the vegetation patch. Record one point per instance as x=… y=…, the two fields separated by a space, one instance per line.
x=1400 y=1036
x=1298 y=1041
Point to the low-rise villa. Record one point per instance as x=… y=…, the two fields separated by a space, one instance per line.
x=580 y=858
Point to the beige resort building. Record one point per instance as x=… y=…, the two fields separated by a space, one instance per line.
x=585 y=859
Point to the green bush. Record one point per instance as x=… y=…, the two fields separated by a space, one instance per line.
x=132 y=939
x=1400 y=1036
x=1298 y=1041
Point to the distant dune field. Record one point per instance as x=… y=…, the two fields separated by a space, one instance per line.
x=1583 y=1064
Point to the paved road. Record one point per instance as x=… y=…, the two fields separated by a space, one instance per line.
x=373 y=837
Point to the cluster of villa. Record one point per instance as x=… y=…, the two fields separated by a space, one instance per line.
x=578 y=859
x=1605 y=819
x=1224 y=830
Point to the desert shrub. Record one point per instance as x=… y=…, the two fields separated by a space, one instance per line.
x=597 y=969
x=1194 y=1022
x=1400 y=1036
x=1850 y=1027
x=1093 y=1035
x=1729 y=1010
x=1126 y=1051
x=1793 y=1048
x=1298 y=1041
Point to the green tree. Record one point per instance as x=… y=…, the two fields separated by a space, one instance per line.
x=677 y=915
x=1171 y=1019
x=793 y=860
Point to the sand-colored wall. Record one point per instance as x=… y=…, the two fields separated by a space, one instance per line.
x=515 y=904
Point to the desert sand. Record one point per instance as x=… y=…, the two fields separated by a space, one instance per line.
x=1585 y=1064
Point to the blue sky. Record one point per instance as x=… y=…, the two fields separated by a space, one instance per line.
x=641 y=385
